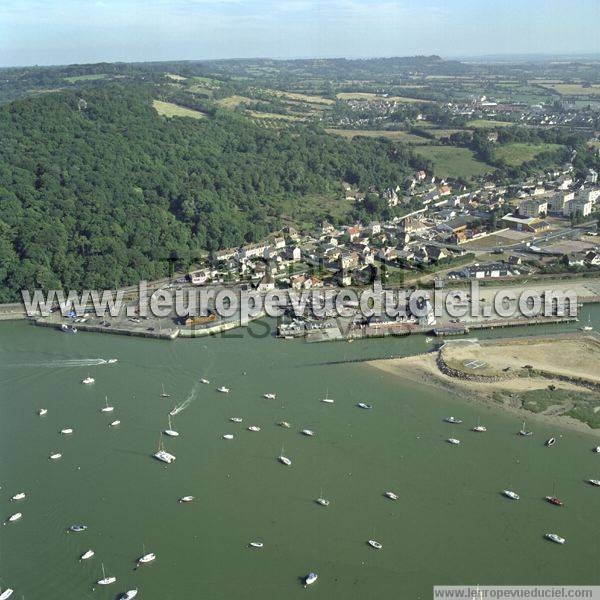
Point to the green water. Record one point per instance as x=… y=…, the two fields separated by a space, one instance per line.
x=450 y=524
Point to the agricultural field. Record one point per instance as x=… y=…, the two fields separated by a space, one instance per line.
x=398 y=136
x=84 y=78
x=309 y=99
x=168 y=109
x=487 y=124
x=372 y=97
x=573 y=89
x=516 y=154
x=450 y=161
x=234 y=101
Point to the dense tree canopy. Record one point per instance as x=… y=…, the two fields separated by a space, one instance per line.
x=100 y=192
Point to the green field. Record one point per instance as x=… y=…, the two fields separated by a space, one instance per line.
x=573 y=89
x=450 y=161
x=487 y=124
x=516 y=154
x=92 y=77
x=304 y=212
x=168 y=109
x=399 y=136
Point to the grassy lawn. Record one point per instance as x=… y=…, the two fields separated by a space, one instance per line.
x=453 y=162
x=304 y=212
x=168 y=109
x=518 y=153
x=234 y=101
x=303 y=97
x=487 y=124
x=399 y=136
x=92 y=77
x=573 y=89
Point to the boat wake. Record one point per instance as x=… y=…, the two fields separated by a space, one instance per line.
x=60 y=364
x=191 y=396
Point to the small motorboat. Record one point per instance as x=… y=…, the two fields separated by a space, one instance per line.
x=223 y=389
x=375 y=544
x=146 y=558
x=42 y=412
x=254 y=428
x=128 y=595
x=114 y=423
x=595 y=482
x=554 y=500
x=68 y=328
x=174 y=411
x=512 y=495
x=554 y=537
x=66 y=431
x=597 y=449
x=390 y=495
x=453 y=441
x=310 y=579
x=256 y=545
x=364 y=405
x=55 y=456
x=185 y=499
x=453 y=420
x=112 y=361
x=270 y=396
x=228 y=436
x=7 y=593
x=284 y=424
x=308 y=432
x=322 y=501
x=550 y=441
x=236 y=419
x=19 y=496
x=204 y=381
x=14 y=517
x=78 y=527
x=88 y=380
x=87 y=555
x=106 y=580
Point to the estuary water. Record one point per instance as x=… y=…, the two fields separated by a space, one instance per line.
x=451 y=525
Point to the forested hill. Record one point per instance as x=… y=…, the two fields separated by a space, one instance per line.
x=97 y=190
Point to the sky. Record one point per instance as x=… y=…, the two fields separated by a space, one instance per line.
x=47 y=32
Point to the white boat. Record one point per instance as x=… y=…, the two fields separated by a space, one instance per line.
x=87 y=555
x=114 y=423
x=228 y=436
x=88 y=380
x=375 y=544
x=42 y=412
x=254 y=428
x=284 y=459
x=588 y=327
x=146 y=558
x=597 y=449
x=14 y=517
x=453 y=441
x=128 y=595
x=7 y=593
x=479 y=428
x=270 y=396
x=554 y=537
x=428 y=340
x=327 y=399
x=321 y=500
x=162 y=455
x=170 y=431
x=390 y=495
x=524 y=431
x=112 y=361
x=55 y=456
x=175 y=411
x=284 y=424
x=550 y=441
x=236 y=419
x=453 y=420
x=67 y=328
x=184 y=499
x=66 y=431
x=78 y=528
x=223 y=389
x=310 y=579
x=106 y=580
x=364 y=405
x=19 y=496
x=595 y=482
x=256 y=544
x=106 y=408
x=308 y=432
x=512 y=495
x=163 y=393
x=204 y=381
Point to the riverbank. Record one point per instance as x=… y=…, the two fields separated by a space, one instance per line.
x=553 y=379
